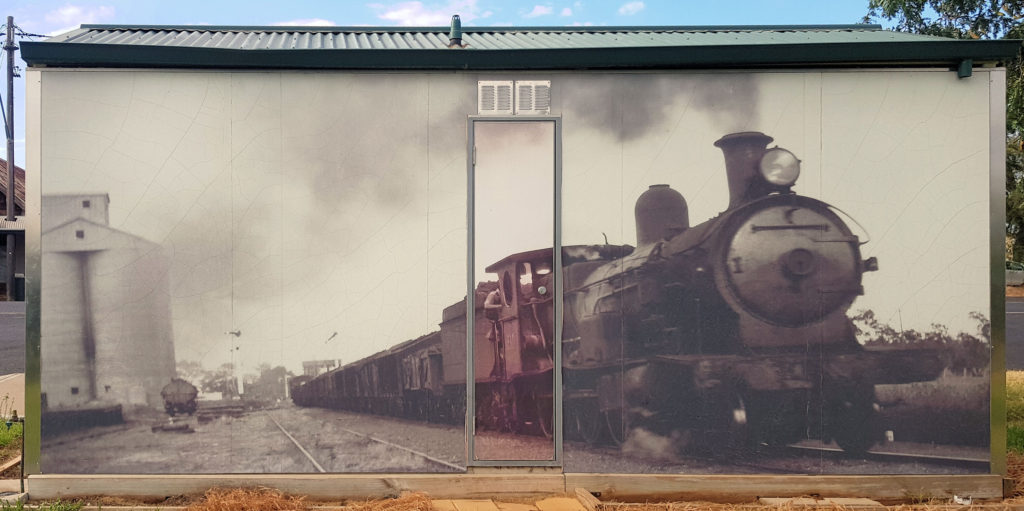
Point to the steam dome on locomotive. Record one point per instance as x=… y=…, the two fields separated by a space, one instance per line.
x=732 y=332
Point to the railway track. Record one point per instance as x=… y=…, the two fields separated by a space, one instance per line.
x=305 y=452
x=299 y=446
x=791 y=459
x=979 y=464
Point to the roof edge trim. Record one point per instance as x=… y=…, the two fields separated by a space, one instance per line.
x=112 y=55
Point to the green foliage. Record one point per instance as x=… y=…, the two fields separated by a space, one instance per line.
x=61 y=505
x=977 y=19
x=960 y=19
x=1015 y=439
x=1015 y=411
x=9 y=436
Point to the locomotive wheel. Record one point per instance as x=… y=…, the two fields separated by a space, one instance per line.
x=617 y=421
x=730 y=430
x=852 y=422
x=587 y=423
x=545 y=415
x=774 y=420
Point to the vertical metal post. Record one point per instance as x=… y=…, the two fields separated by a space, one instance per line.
x=9 y=47
x=22 y=464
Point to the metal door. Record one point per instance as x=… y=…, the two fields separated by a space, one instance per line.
x=513 y=181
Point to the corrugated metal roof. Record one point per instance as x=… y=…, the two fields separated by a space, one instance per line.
x=500 y=47
x=19 y=185
x=490 y=38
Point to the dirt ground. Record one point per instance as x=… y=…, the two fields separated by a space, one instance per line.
x=1015 y=291
x=7 y=453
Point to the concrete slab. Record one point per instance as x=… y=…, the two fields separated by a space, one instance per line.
x=11 y=485
x=12 y=393
x=474 y=505
x=443 y=505
x=560 y=504
x=12 y=499
x=510 y=506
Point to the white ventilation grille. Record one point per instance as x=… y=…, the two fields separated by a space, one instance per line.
x=494 y=97
x=533 y=97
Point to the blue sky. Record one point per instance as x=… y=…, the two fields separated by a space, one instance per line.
x=46 y=17
x=53 y=17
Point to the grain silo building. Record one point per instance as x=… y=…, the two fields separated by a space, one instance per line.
x=108 y=331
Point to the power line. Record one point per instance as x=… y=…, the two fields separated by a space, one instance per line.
x=26 y=34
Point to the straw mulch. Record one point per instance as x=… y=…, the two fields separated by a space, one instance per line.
x=406 y=502
x=248 y=499
x=269 y=499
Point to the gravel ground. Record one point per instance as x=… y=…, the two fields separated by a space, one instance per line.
x=249 y=444
x=340 y=442
x=649 y=456
x=489 y=445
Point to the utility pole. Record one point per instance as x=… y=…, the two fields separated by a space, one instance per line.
x=9 y=47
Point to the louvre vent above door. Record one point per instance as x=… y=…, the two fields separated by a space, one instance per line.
x=533 y=97
x=494 y=97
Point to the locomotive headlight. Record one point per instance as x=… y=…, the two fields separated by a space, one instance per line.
x=780 y=167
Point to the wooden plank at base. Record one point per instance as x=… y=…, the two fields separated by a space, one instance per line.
x=587 y=499
x=621 y=487
x=10 y=463
x=745 y=488
x=341 y=486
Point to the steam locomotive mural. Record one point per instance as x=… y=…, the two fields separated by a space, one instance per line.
x=732 y=332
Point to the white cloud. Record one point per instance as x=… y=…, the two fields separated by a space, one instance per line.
x=60 y=31
x=70 y=16
x=306 y=22
x=566 y=11
x=631 y=8
x=416 y=13
x=538 y=10
x=582 y=23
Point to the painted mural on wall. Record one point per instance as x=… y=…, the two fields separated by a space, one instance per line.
x=804 y=272
x=227 y=263
x=784 y=271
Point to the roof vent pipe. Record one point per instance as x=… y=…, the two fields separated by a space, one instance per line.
x=455 y=35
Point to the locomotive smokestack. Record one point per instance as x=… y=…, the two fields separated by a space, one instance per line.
x=743 y=153
x=661 y=213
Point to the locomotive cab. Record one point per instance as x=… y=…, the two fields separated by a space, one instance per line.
x=522 y=314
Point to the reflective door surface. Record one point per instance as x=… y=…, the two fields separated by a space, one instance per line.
x=514 y=334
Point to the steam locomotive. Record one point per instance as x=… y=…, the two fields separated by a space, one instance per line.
x=728 y=333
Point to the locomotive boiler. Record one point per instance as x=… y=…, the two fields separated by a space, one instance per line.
x=732 y=332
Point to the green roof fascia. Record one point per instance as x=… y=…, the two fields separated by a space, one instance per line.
x=944 y=52
x=482 y=29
